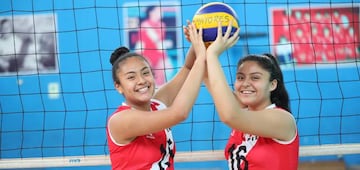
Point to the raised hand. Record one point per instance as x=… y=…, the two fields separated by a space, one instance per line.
x=224 y=42
x=186 y=30
x=196 y=39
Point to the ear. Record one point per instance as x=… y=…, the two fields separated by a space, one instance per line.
x=118 y=87
x=273 y=85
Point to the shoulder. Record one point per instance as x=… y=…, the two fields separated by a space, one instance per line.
x=286 y=115
x=291 y=123
x=118 y=110
x=122 y=108
x=285 y=112
x=280 y=110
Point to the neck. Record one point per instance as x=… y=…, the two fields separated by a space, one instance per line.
x=262 y=107
x=143 y=107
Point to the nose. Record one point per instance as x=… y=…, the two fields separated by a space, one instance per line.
x=246 y=82
x=141 y=79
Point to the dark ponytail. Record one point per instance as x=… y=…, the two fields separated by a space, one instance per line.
x=279 y=96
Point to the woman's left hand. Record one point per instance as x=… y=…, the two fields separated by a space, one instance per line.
x=221 y=42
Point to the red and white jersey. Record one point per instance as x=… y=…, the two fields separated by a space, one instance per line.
x=153 y=151
x=250 y=152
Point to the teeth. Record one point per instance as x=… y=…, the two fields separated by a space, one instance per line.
x=246 y=92
x=144 y=89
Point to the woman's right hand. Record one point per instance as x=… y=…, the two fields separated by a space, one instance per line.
x=196 y=40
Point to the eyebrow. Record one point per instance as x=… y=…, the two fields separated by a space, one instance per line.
x=144 y=68
x=131 y=72
x=238 y=73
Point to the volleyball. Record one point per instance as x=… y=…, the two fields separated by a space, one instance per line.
x=208 y=16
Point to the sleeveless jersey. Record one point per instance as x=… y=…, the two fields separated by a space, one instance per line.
x=250 y=152
x=153 y=151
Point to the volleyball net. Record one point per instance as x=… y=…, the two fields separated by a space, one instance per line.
x=56 y=90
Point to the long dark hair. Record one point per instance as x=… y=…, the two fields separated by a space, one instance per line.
x=119 y=55
x=279 y=96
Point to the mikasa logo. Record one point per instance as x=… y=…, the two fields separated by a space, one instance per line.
x=150 y=136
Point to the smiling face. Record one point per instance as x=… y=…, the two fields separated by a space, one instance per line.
x=136 y=82
x=253 y=85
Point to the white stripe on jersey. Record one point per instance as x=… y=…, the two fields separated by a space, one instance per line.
x=241 y=151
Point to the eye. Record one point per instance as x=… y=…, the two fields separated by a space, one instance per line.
x=255 y=78
x=146 y=73
x=239 y=77
x=130 y=77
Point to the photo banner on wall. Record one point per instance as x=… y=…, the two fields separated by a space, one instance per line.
x=153 y=30
x=328 y=34
x=28 y=44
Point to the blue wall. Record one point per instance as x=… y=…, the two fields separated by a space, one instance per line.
x=324 y=99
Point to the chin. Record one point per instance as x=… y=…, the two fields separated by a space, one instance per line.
x=245 y=102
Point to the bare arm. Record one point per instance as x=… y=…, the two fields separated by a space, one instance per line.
x=168 y=91
x=273 y=123
x=128 y=124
